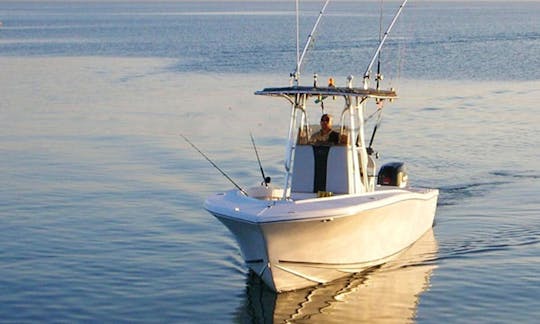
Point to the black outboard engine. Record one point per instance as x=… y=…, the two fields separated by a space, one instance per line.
x=393 y=174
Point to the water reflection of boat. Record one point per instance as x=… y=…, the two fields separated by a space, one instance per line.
x=387 y=293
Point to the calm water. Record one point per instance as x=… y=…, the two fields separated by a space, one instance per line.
x=101 y=201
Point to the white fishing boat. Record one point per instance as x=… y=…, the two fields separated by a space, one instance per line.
x=335 y=214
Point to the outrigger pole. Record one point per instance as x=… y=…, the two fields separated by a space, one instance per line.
x=381 y=43
x=378 y=78
x=300 y=58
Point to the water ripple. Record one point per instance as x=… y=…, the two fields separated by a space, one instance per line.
x=503 y=239
x=523 y=174
x=454 y=194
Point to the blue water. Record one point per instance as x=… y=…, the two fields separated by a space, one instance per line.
x=487 y=40
x=101 y=213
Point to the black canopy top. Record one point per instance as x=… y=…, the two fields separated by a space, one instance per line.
x=328 y=91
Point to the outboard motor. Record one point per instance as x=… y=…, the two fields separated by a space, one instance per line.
x=393 y=174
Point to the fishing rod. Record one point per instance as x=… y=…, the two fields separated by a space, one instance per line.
x=378 y=79
x=266 y=179
x=381 y=43
x=300 y=58
x=214 y=165
x=370 y=148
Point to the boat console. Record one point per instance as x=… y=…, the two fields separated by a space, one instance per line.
x=319 y=168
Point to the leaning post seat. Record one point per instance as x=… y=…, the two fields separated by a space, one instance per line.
x=322 y=168
x=338 y=175
x=303 y=169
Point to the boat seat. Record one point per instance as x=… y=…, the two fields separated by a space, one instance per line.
x=321 y=168
x=337 y=175
x=303 y=169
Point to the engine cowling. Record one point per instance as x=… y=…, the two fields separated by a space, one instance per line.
x=393 y=174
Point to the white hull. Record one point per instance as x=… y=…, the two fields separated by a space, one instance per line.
x=390 y=294
x=296 y=244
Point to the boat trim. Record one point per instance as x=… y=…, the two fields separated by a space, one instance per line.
x=299 y=274
x=255 y=261
x=363 y=264
x=366 y=206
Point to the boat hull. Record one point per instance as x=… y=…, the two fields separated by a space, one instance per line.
x=292 y=245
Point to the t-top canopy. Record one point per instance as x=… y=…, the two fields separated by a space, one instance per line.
x=328 y=91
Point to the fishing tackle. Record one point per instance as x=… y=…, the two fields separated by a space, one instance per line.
x=215 y=165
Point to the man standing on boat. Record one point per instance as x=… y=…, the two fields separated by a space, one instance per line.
x=326 y=135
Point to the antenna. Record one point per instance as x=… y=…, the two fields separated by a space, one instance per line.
x=300 y=58
x=381 y=43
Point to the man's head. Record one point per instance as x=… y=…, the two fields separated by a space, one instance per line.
x=326 y=122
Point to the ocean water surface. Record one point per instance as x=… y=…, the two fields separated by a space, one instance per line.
x=101 y=200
